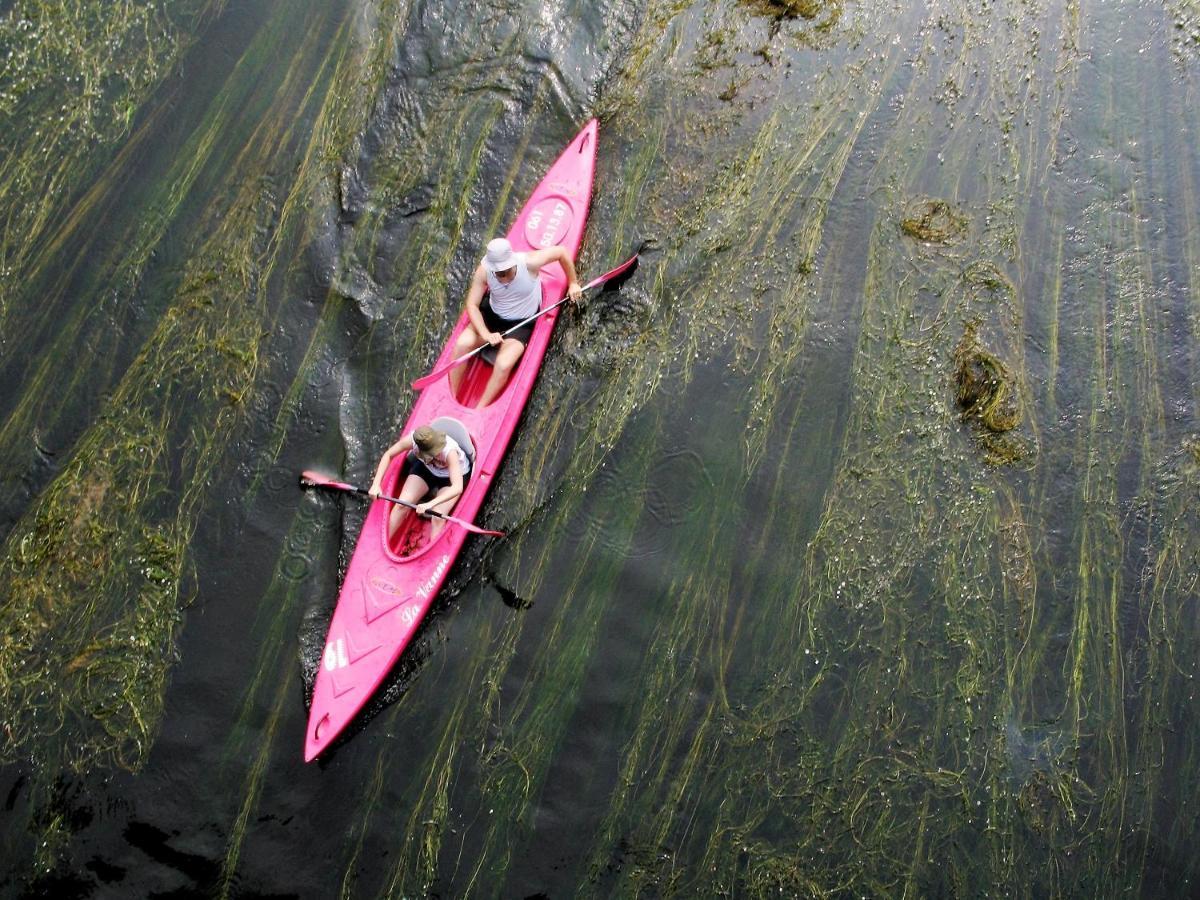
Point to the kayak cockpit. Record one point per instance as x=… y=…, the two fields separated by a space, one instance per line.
x=476 y=377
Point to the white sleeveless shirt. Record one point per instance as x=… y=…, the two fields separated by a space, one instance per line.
x=520 y=298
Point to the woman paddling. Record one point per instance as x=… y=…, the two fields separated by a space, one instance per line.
x=439 y=465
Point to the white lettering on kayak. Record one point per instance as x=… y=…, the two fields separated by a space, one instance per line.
x=427 y=586
x=335 y=655
x=550 y=235
x=545 y=226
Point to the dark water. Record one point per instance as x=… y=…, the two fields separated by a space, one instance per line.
x=774 y=616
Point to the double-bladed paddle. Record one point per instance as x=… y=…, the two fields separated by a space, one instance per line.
x=610 y=281
x=309 y=478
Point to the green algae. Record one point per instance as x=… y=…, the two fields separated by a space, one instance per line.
x=96 y=573
x=110 y=630
x=934 y=221
x=983 y=385
x=819 y=15
x=906 y=673
x=81 y=71
x=108 y=666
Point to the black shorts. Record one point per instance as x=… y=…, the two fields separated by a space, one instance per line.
x=496 y=323
x=435 y=482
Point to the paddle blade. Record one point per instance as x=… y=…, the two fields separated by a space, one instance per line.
x=311 y=479
x=469 y=526
x=618 y=276
x=426 y=380
x=477 y=530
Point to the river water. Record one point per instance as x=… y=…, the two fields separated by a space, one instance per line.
x=853 y=546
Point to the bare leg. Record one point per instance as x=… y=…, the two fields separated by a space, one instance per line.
x=436 y=525
x=507 y=358
x=467 y=341
x=414 y=489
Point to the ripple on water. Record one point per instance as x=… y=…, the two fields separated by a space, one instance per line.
x=669 y=494
x=295 y=567
x=278 y=478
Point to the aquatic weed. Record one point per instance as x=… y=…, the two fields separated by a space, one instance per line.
x=933 y=221
x=983 y=385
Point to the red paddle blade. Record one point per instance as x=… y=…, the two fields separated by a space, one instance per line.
x=614 y=278
x=426 y=380
x=469 y=526
x=310 y=478
x=475 y=529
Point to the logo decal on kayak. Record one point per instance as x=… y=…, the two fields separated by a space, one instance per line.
x=428 y=585
x=380 y=592
x=384 y=584
x=548 y=222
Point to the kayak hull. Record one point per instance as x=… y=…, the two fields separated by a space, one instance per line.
x=389 y=587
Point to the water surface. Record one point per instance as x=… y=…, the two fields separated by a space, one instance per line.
x=777 y=613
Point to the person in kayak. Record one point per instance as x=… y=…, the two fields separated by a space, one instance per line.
x=514 y=293
x=439 y=466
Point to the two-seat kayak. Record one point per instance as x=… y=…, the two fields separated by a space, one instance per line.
x=389 y=587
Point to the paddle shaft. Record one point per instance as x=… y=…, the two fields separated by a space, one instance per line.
x=314 y=479
x=429 y=512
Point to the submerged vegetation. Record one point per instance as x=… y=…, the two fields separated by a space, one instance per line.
x=984 y=386
x=97 y=573
x=763 y=624
x=73 y=77
x=934 y=221
x=986 y=394
x=791 y=9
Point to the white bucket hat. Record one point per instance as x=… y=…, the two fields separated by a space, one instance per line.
x=499 y=256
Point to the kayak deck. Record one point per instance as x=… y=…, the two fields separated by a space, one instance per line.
x=389 y=587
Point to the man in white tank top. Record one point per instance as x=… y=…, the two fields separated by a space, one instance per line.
x=513 y=293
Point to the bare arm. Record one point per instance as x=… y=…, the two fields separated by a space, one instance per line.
x=474 y=298
x=535 y=259
x=401 y=446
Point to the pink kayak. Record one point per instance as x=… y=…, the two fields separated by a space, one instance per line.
x=388 y=589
